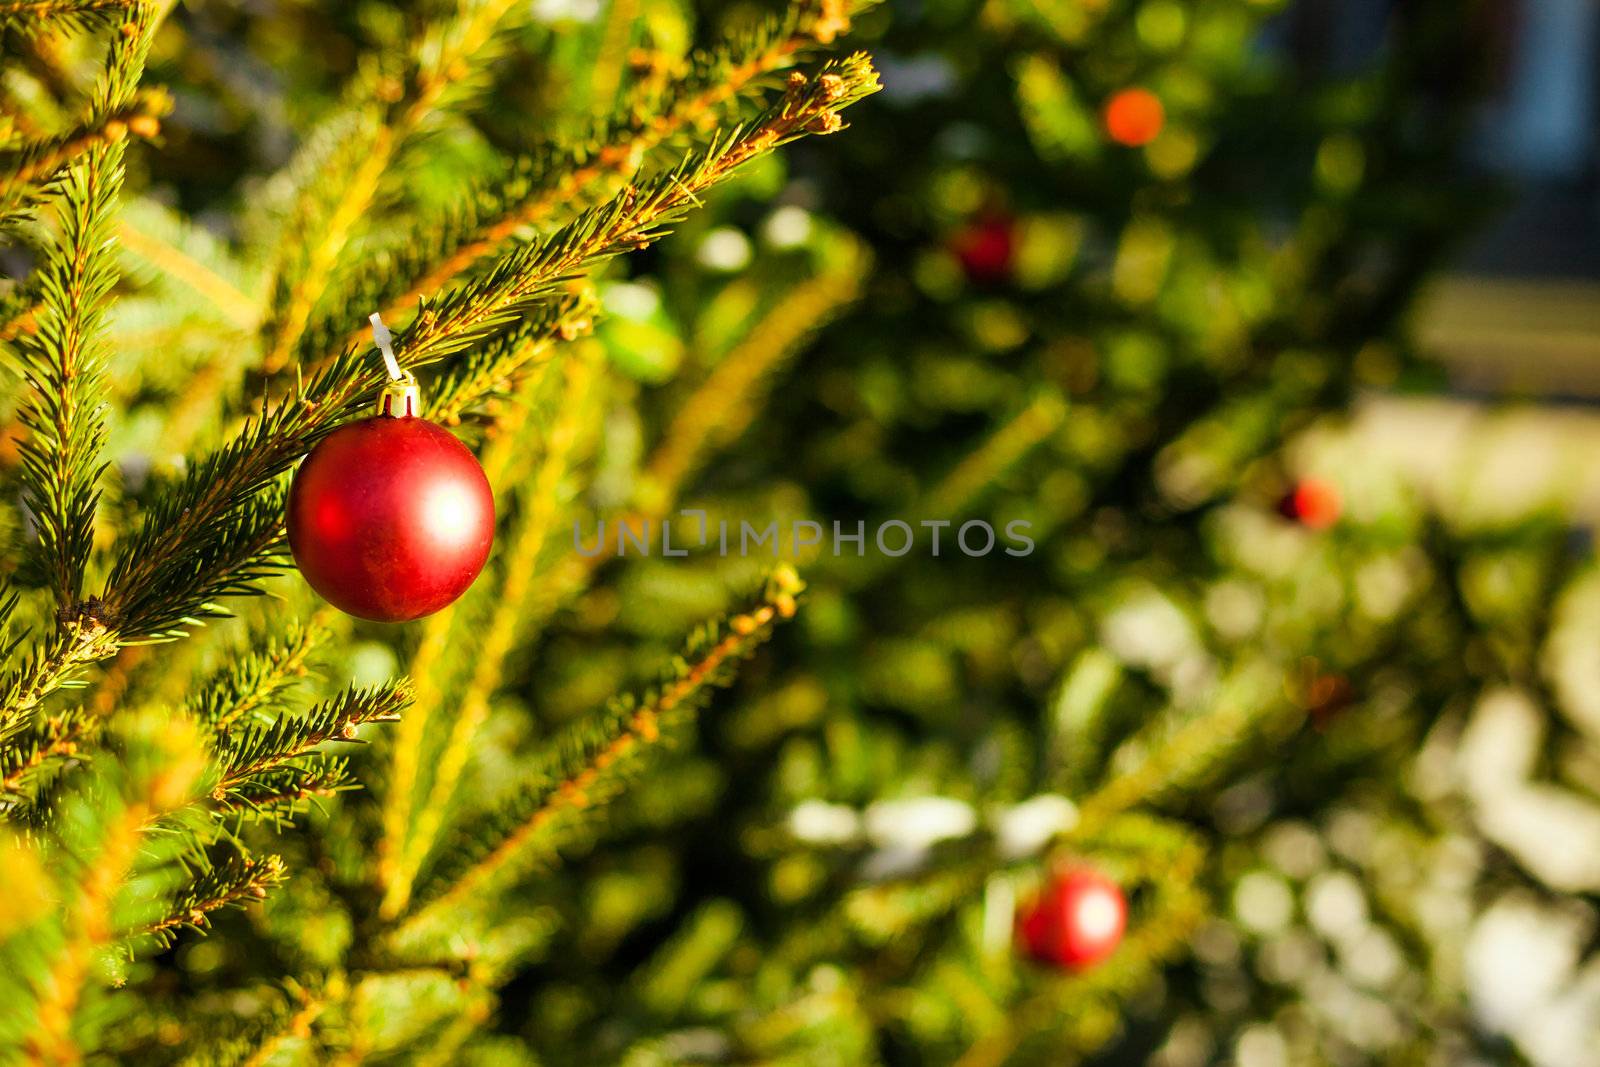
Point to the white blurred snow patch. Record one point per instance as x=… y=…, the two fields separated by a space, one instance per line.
x=788 y=227
x=1518 y=958
x=1294 y=848
x=1026 y=828
x=1555 y=833
x=1372 y=959
x=631 y=300
x=1552 y=831
x=548 y=11
x=1189 y=1044
x=1500 y=744
x=1150 y=631
x=1568 y=1029
x=724 y=249
x=917 y=823
x=1521 y=962
x=1263 y=902
x=1261 y=1045
x=1569 y=661
x=817 y=822
x=1336 y=905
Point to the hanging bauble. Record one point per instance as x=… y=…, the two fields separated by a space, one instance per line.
x=1076 y=921
x=390 y=518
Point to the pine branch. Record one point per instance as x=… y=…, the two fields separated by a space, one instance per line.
x=633 y=219
x=498 y=367
x=724 y=405
x=219 y=530
x=90 y=931
x=26 y=168
x=250 y=681
x=589 y=763
x=62 y=361
x=954 y=493
x=1246 y=706
x=449 y=53
x=260 y=1039
x=558 y=176
x=63 y=364
x=100 y=842
x=237 y=882
x=184 y=266
x=276 y=796
x=54 y=661
x=52 y=16
x=519 y=566
x=155 y=588
x=430 y=667
x=28 y=751
x=257 y=749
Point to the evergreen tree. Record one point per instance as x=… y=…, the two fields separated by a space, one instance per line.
x=1113 y=271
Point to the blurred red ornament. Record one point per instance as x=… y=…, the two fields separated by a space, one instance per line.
x=390 y=518
x=1134 y=117
x=987 y=248
x=1323 y=694
x=1076 y=921
x=1313 y=503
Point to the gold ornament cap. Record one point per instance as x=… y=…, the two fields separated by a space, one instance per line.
x=401 y=399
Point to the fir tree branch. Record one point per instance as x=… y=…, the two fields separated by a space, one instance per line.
x=54 y=661
x=276 y=796
x=155 y=587
x=519 y=566
x=50 y=16
x=63 y=364
x=586 y=765
x=499 y=366
x=633 y=219
x=724 y=405
x=256 y=749
x=27 y=751
x=445 y=56
x=235 y=883
x=90 y=931
x=35 y=164
x=259 y=1040
x=62 y=361
x=188 y=271
x=1191 y=751
x=249 y=682
x=428 y=669
x=559 y=176
x=954 y=494
x=161 y=760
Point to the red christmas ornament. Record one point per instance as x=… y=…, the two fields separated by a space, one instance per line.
x=1076 y=922
x=1134 y=117
x=987 y=248
x=390 y=518
x=1313 y=503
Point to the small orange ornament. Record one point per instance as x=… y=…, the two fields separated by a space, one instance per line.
x=1313 y=503
x=1134 y=117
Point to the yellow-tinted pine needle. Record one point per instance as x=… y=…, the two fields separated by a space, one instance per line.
x=427 y=671
x=520 y=569
x=172 y=261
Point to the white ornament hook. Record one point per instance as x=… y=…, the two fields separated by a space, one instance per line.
x=385 y=342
